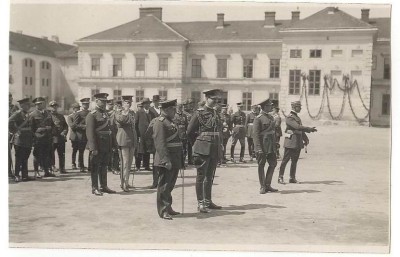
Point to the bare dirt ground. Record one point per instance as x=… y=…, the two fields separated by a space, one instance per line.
x=342 y=204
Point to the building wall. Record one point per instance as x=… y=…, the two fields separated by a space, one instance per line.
x=68 y=81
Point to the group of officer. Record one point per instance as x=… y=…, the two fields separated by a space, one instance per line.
x=114 y=135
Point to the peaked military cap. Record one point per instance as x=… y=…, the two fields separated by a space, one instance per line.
x=168 y=103
x=101 y=96
x=38 y=100
x=212 y=92
x=239 y=104
x=295 y=103
x=75 y=105
x=53 y=103
x=110 y=101
x=127 y=98
x=24 y=100
x=85 y=100
x=266 y=102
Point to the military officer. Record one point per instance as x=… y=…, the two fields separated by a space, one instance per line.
x=278 y=128
x=265 y=145
x=249 y=129
x=72 y=134
x=60 y=131
x=98 y=133
x=188 y=111
x=42 y=126
x=206 y=148
x=20 y=127
x=182 y=122
x=238 y=132
x=113 y=164
x=126 y=139
x=226 y=129
x=168 y=157
x=11 y=110
x=295 y=140
x=79 y=126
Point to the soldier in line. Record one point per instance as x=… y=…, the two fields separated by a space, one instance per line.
x=278 y=128
x=42 y=126
x=98 y=133
x=238 y=133
x=72 y=134
x=265 y=146
x=11 y=110
x=249 y=129
x=79 y=126
x=113 y=164
x=295 y=140
x=22 y=139
x=155 y=111
x=206 y=148
x=126 y=139
x=182 y=122
x=226 y=130
x=188 y=111
x=142 y=121
x=138 y=157
x=168 y=157
x=60 y=131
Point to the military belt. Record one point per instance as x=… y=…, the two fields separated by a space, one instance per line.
x=104 y=132
x=210 y=133
x=177 y=144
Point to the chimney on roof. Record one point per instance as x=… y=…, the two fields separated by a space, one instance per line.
x=269 y=19
x=365 y=15
x=44 y=37
x=295 y=15
x=155 y=11
x=220 y=20
x=18 y=31
x=55 y=39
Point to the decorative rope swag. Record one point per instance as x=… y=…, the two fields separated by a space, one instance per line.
x=329 y=86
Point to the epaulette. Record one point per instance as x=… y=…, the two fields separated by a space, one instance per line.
x=162 y=118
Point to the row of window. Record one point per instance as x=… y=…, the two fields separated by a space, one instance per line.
x=317 y=53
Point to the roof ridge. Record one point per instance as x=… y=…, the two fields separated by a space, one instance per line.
x=168 y=27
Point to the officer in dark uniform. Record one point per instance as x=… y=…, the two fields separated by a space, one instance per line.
x=238 y=133
x=278 y=127
x=11 y=110
x=249 y=129
x=182 y=122
x=295 y=140
x=79 y=126
x=42 y=126
x=206 y=148
x=265 y=145
x=226 y=129
x=72 y=134
x=22 y=139
x=168 y=157
x=188 y=111
x=60 y=131
x=98 y=132
x=113 y=164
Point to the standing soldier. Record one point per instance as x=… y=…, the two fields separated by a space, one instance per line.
x=98 y=132
x=72 y=135
x=182 y=121
x=168 y=157
x=206 y=148
x=188 y=111
x=142 y=121
x=278 y=128
x=295 y=140
x=113 y=164
x=249 y=129
x=60 y=131
x=239 y=133
x=226 y=130
x=42 y=126
x=20 y=127
x=265 y=146
x=11 y=110
x=79 y=125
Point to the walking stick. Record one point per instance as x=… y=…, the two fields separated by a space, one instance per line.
x=121 y=174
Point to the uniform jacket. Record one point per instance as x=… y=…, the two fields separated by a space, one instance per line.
x=98 y=131
x=60 y=129
x=153 y=111
x=226 y=125
x=298 y=137
x=72 y=132
x=264 y=133
x=167 y=143
x=278 y=122
x=79 y=125
x=249 y=124
x=12 y=109
x=126 y=133
x=114 y=127
x=42 y=126
x=182 y=122
x=238 y=121
x=142 y=121
x=20 y=127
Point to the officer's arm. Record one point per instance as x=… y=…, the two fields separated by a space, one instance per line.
x=305 y=139
x=193 y=127
x=65 y=128
x=160 y=142
x=290 y=121
x=12 y=123
x=256 y=137
x=90 y=132
x=247 y=122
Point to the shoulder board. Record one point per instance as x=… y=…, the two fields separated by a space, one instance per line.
x=161 y=118
x=93 y=111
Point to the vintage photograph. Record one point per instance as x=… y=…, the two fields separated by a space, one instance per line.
x=192 y=125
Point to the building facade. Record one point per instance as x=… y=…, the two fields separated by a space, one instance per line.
x=325 y=60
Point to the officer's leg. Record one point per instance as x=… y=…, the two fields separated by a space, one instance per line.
x=146 y=160
x=125 y=169
x=54 y=148
x=18 y=161
x=74 y=151
x=130 y=161
x=208 y=181
x=171 y=181
x=61 y=156
x=242 y=147
x=293 y=166
x=261 y=160
x=48 y=156
x=278 y=145
x=225 y=142
x=234 y=141
x=190 y=154
x=138 y=161
x=103 y=169
x=162 y=201
x=24 y=164
x=36 y=160
x=271 y=158
x=94 y=164
x=202 y=163
x=285 y=160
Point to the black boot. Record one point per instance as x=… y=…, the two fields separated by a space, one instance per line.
x=202 y=208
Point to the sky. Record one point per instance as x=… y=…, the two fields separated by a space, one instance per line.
x=74 y=19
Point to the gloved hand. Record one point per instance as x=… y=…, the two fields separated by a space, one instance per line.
x=313 y=129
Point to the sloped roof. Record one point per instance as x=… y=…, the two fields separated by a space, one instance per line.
x=383 y=25
x=143 y=29
x=35 y=45
x=329 y=18
x=71 y=53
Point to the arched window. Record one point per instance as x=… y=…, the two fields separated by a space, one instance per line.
x=28 y=76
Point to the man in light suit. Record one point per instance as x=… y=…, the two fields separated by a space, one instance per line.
x=295 y=140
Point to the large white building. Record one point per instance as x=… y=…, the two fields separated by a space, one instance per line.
x=297 y=59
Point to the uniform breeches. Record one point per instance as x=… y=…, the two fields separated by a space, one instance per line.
x=265 y=179
x=43 y=155
x=98 y=169
x=225 y=142
x=205 y=177
x=78 y=147
x=290 y=154
x=21 y=160
x=114 y=159
x=242 y=146
x=189 y=152
x=250 y=144
x=166 y=183
x=126 y=157
x=60 y=148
